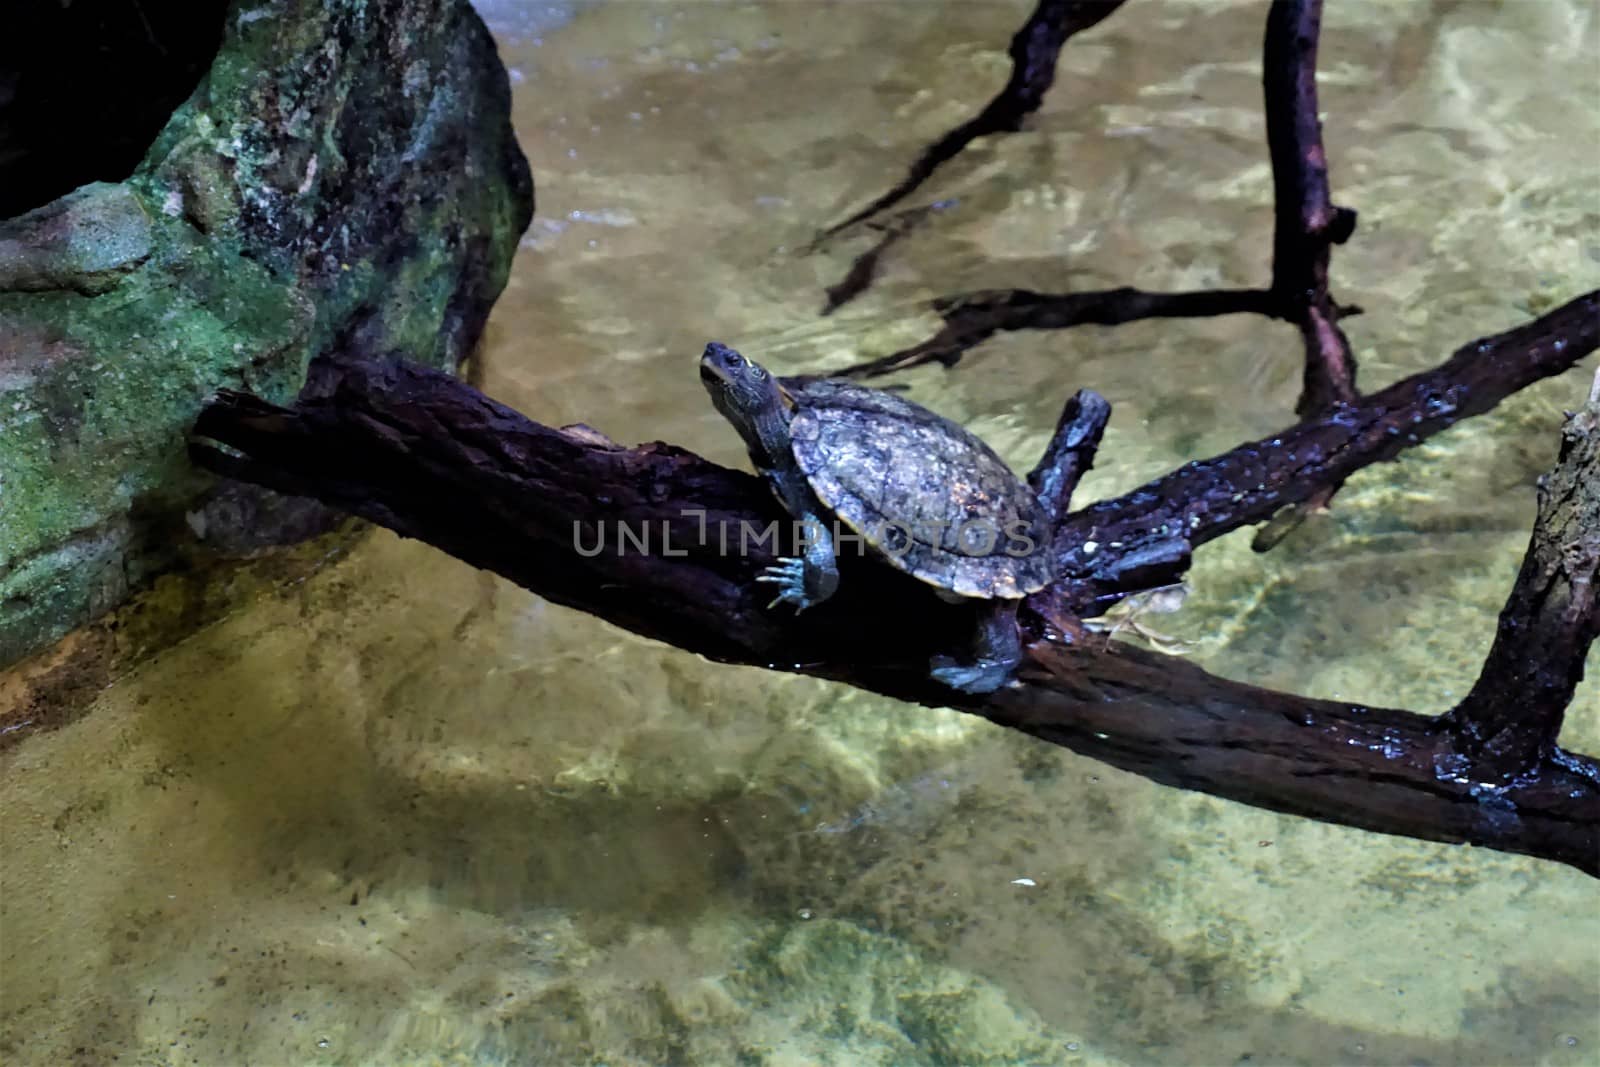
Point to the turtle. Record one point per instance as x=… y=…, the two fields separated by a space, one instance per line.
x=925 y=495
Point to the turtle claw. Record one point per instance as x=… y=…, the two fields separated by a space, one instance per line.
x=790 y=576
x=984 y=676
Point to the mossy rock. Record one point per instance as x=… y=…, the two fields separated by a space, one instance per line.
x=342 y=181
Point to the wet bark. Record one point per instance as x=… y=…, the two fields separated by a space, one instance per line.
x=1156 y=525
x=1513 y=715
x=431 y=458
x=1306 y=222
x=663 y=543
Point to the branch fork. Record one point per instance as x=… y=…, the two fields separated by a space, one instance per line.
x=429 y=457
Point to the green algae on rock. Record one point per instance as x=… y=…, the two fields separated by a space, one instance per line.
x=345 y=172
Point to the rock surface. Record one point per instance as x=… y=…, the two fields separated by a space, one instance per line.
x=344 y=175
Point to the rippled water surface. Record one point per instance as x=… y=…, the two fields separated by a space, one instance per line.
x=405 y=813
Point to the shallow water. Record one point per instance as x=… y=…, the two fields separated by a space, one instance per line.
x=405 y=813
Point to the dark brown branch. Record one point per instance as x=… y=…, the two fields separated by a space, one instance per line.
x=429 y=457
x=1379 y=769
x=1071 y=451
x=972 y=318
x=1153 y=527
x=1034 y=51
x=1514 y=712
x=1307 y=223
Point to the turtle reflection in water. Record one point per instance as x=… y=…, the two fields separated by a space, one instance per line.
x=926 y=495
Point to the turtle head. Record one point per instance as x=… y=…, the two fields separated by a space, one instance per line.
x=746 y=394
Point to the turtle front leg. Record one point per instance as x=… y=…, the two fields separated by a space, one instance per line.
x=999 y=652
x=807 y=580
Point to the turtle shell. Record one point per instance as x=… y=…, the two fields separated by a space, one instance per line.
x=923 y=492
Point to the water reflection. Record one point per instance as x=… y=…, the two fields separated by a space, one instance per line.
x=405 y=813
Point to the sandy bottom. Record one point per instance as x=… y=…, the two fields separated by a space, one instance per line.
x=405 y=813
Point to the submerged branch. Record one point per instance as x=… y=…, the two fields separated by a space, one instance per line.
x=972 y=318
x=431 y=458
x=1306 y=225
x=1034 y=51
x=864 y=268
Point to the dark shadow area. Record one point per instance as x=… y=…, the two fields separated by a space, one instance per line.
x=86 y=86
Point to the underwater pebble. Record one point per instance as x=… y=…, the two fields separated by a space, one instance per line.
x=806 y=913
